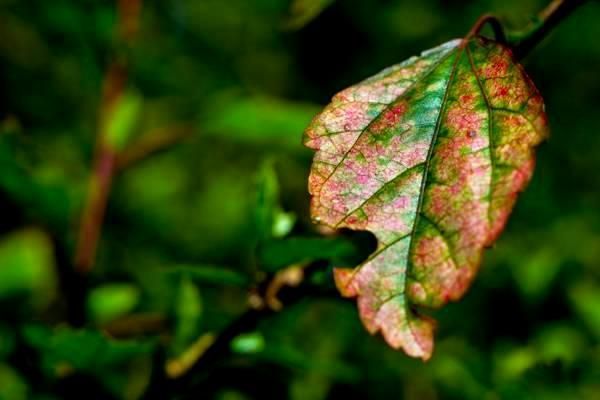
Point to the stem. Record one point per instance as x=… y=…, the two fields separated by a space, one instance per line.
x=494 y=23
x=152 y=143
x=162 y=386
x=546 y=20
x=105 y=158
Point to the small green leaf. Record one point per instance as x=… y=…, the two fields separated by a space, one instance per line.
x=270 y=220
x=27 y=268
x=108 y=302
x=585 y=298
x=188 y=314
x=122 y=119
x=304 y=11
x=248 y=343
x=83 y=350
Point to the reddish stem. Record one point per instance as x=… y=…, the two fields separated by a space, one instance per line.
x=105 y=158
x=494 y=23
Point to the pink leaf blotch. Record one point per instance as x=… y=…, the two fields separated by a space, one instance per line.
x=428 y=155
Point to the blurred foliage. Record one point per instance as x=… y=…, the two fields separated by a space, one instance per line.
x=191 y=229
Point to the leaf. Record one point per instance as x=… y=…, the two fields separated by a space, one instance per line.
x=12 y=385
x=304 y=11
x=83 y=350
x=27 y=269
x=428 y=155
x=278 y=254
x=105 y=303
x=121 y=365
x=270 y=220
x=187 y=314
x=209 y=274
x=122 y=118
x=259 y=120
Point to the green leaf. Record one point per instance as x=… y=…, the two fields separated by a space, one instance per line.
x=188 y=314
x=83 y=350
x=108 y=302
x=122 y=119
x=12 y=385
x=429 y=155
x=304 y=11
x=585 y=297
x=209 y=274
x=270 y=220
x=277 y=254
x=27 y=268
x=248 y=343
x=260 y=119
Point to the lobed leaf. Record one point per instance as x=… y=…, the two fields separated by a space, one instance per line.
x=428 y=155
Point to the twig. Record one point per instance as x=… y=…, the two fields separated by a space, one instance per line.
x=161 y=386
x=494 y=23
x=105 y=154
x=152 y=143
x=547 y=19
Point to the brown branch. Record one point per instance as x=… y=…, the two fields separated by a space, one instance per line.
x=547 y=20
x=105 y=157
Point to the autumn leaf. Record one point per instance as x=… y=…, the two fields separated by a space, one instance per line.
x=428 y=155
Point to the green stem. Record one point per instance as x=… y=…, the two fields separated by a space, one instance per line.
x=523 y=42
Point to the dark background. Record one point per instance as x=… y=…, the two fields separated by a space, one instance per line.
x=206 y=216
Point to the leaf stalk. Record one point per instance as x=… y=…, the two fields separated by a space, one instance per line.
x=523 y=42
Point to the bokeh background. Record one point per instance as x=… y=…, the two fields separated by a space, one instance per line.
x=199 y=107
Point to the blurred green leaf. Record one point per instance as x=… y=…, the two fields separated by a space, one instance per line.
x=261 y=120
x=559 y=342
x=304 y=11
x=513 y=362
x=108 y=302
x=50 y=200
x=27 y=267
x=277 y=254
x=12 y=386
x=585 y=299
x=535 y=271
x=63 y=348
x=270 y=220
x=122 y=119
x=188 y=315
x=252 y=342
x=209 y=274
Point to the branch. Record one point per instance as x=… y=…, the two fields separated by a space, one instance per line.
x=105 y=158
x=547 y=19
x=161 y=386
x=153 y=142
